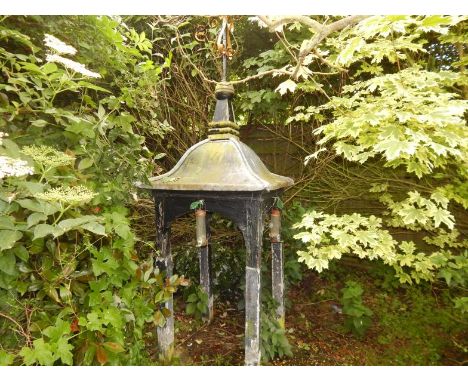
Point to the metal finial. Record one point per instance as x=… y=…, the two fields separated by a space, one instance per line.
x=224 y=44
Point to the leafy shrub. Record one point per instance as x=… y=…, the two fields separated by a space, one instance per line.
x=358 y=316
x=274 y=343
x=197 y=303
x=67 y=249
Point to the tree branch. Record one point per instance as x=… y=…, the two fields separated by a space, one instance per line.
x=321 y=32
x=272 y=25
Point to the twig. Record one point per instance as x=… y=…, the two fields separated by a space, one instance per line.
x=23 y=333
x=314 y=303
x=249 y=78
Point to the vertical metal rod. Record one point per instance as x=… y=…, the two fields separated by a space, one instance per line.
x=224 y=74
x=253 y=240
x=204 y=253
x=164 y=262
x=277 y=265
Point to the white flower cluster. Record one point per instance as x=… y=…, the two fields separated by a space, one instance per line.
x=59 y=47
x=13 y=167
x=73 y=195
x=47 y=156
x=73 y=65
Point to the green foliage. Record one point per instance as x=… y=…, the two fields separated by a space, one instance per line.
x=395 y=112
x=274 y=343
x=409 y=118
x=197 y=204
x=387 y=95
x=67 y=247
x=278 y=203
x=329 y=237
x=416 y=328
x=461 y=303
x=358 y=316
x=197 y=303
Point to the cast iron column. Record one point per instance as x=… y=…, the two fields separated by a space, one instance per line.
x=164 y=262
x=277 y=264
x=253 y=241
x=204 y=253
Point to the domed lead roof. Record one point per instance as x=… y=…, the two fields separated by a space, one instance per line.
x=220 y=165
x=221 y=162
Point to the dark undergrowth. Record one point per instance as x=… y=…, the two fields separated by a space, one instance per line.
x=412 y=325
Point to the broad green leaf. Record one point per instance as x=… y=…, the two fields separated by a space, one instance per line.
x=6 y=359
x=8 y=238
x=189 y=309
x=412 y=215
x=32 y=187
x=89 y=85
x=85 y=163
x=38 y=206
x=123 y=230
x=95 y=227
x=60 y=329
x=101 y=111
x=7 y=222
x=354 y=45
x=443 y=216
x=278 y=203
x=42 y=230
x=436 y=23
x=69 y=224
x=8 y=263
x=63 y=351
x=393 y=148
x=48 y=68
x=82 y=127
x=461 y=303
x=51 y=291
x=407 y=247
x=35 y=218
x=284 y=87
x=39 y=123
x=197 y=204
x=41 y=353
x=20 y=252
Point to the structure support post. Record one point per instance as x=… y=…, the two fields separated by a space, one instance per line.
x=253 y=240
x=164 y=262
x=277 y=265
x=204 y=253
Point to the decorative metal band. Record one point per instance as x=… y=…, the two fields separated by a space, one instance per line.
x=217 y=137
x=222 y=128
x=225 y=130
x=224 y=90
x=223 y=124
